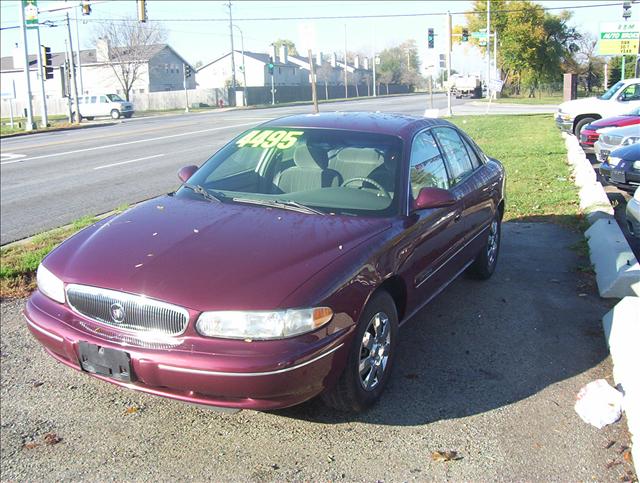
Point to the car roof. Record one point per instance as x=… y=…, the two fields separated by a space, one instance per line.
x=374 y=122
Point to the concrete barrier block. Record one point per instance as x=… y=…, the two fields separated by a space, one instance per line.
x=622 y=332
x=599 y=213
x=592 y=196
x=617 y=270
x=584 y=176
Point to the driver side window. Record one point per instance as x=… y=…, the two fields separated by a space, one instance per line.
x=631 y=93
x=426 y=168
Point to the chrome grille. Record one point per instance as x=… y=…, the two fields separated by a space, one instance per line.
x=611 y=140
x=132 y=312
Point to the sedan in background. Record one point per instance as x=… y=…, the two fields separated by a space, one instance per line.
x=633 y=214
x=589 y=134
x=281 y=269
x=614 y=138
x=622 y=168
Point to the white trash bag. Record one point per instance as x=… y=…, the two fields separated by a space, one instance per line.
x=599 y=404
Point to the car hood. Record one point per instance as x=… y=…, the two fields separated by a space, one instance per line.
x=616 y=121
x=578 y=106
x=207 y=256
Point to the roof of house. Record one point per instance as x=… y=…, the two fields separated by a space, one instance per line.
x=259 y=56
x=87 y=56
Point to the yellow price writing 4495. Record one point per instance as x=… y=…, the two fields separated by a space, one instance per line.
x=268 y=138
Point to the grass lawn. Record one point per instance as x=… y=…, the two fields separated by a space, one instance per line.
x=528 y=100
x=530 y=146
x=55 y=121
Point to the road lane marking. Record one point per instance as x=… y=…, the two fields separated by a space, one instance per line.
x=10 y=156
x=127 y=162
x=127 y=143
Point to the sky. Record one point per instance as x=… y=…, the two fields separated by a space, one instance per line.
x=206 y=40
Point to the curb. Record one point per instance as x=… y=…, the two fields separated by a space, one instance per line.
x=617 y=270
x=622 y=332
x=59 y=129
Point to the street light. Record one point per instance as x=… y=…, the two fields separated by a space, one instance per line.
x=244 y=71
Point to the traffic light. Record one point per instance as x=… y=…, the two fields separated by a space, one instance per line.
x=142 y=10
x=270 y=65
x=86 y=7
x=187 y=70
x=626 y=10
x=443 y=61
x=465 y=35
x=430 y=38
x=47 y=62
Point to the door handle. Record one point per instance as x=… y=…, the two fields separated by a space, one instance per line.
x=457 y=216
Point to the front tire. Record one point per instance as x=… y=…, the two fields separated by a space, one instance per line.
x=371 y=357
x=115 y=114
x=582 y=123
x=485 y=263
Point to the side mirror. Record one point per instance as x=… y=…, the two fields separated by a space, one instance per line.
x=433 y=198
x=185 y=173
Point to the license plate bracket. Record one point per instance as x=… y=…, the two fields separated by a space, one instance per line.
x=618 y=176
x=104 y=361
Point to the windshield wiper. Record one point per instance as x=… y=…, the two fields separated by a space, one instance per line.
x=285 y=205
x=215 y=196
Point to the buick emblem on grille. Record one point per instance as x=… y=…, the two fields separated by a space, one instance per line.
x=117 y=313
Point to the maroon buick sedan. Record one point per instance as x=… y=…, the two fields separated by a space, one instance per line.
x=282 y=267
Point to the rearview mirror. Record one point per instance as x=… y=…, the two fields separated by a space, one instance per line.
x=185 y=173
x=433 y=198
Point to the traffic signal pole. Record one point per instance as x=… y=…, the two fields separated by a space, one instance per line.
x=25 y=51
x=73 y=74
x=448 y=39
x=186 y=95
x=42 y=73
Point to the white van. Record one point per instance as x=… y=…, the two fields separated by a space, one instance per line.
x=103 y=105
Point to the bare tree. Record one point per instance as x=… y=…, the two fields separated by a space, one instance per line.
x=127 y=47
x=324 y=73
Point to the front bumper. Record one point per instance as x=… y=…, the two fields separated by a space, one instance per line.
x=627 y=180
x=258 y=375
x=564 y=124
x=603 y=150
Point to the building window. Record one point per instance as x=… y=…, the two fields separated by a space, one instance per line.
x=140 y=91
x=279 y=70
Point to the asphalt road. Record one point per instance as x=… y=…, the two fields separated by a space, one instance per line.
x=489 y=369
x=48 y=180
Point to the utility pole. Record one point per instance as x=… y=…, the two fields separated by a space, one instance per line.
x=29 y=125
x=449 y=111
x=346 y=86
x=73 y=73
x=314 y=94
x=75 y=10
x=373 y=43
x=244 y=70
x=67 y=79
x=488 y=46
x=233 y=60
x=42 y=74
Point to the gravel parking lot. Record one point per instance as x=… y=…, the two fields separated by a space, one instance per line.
x=489 y=370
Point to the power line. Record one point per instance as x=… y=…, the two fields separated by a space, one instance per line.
x=357 y=17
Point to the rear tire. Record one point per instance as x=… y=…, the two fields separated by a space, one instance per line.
x=485 y=263
x=371 y=357
x=90 y=118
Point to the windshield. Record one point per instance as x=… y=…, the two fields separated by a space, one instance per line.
x=612 y=90
x=327 y=171
x=115 y=98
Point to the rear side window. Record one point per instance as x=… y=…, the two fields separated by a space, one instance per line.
x=631 y=93
x=93 y=100
x=473 y=154
x=455 y=152
x=103 y=99
x=426 y=169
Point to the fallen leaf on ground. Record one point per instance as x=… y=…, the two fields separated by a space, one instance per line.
x=38 y=384
x=612 y=463
x=30 y=445
x=627 y=456
x=52 y=438
x=132 y=410
x=609 y=444
x=445 y=456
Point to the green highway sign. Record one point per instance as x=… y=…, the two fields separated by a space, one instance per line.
x=30 y=13
x=479 y=35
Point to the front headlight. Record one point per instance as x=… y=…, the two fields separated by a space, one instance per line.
x=636 y=165
x=565 y=117
x=631 y=140
x=613 y=161
x=262 y=325
x=49 y=284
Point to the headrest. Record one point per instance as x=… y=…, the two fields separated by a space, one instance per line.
x=360 y=155
x=310 y=157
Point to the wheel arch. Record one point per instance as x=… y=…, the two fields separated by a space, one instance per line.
x=396 y=287
x=580 y=117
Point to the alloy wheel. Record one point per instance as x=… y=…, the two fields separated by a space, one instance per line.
x=374 y=351
x=493 y=242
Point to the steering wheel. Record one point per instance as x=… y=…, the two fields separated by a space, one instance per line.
x=371 y=182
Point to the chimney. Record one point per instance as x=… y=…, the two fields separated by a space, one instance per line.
x=365 y=63
x=319 y=59
x=103 y=50
x=334 y=59
x=284 y=54
x=356 y=62
x=274 y=53
x=18 y=57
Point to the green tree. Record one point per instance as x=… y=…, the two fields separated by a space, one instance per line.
x=615 y=68
x=291 y=46
x=400 y=65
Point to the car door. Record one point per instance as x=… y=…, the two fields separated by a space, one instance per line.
x=433 y=235
x=464 y=186
x=630 y=97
